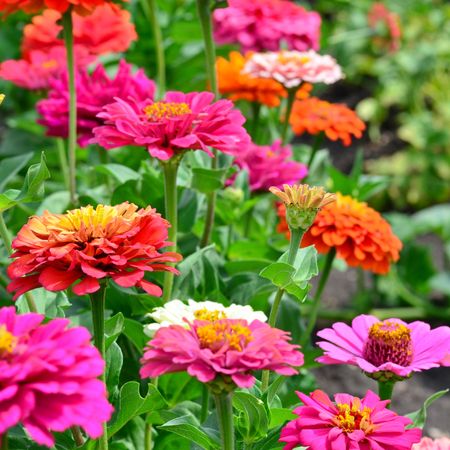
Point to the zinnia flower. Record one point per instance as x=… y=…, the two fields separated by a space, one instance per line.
x=39 y=68
x=266 y=25
x=348 y=423
x=269 y=165
x=93 y=92
x=386 y=348
x=358 y=233
x=86 y=245
x=178 y=123
x=426 y=443
x=224 y=350
x=378 y=15
x=33 y=6
x=107 y=30
x=314 y=116
x=291 y=68
x=49 y=377
x=176 y=312
x=2 y=97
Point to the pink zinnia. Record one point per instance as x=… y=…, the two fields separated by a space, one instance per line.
x=266 y=24
x=178 y=123
x=291 y=68
x=49 y=377
x=227 y=348
x=93 y=92
x=391 y=346
x=348 y=423
x=38 y=68
x=269 y=165
x=426 y=443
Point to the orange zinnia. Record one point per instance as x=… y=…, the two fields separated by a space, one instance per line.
x=358 y=233
x=240 y=86
x=337 y=121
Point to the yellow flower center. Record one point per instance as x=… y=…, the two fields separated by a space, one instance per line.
x=211 y=316
x=390 y=332
x=270 y=154
x=351 y=418
x=164 y=110
x=289 y=58
x=215 y=335
x=2 y=97
x=50 y=64
x=7 y=341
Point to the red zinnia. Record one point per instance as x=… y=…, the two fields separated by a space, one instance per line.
x=86 y=245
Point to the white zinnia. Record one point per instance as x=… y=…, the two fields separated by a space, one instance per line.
x=176 y=312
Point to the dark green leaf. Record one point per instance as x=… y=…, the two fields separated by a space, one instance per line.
x=207 y=180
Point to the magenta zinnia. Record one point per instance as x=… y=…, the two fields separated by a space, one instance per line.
x=87 y=245
x=49 y=377
x=178 y=123
x=385 y=348
x=93 y=92
x=225 y=349
x=347 y=423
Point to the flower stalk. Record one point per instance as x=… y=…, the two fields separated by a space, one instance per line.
x=98 y=301
x=386 y=389
x=72 y=138
x=224 y=408
x=289 y=104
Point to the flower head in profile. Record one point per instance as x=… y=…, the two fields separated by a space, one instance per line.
x=93 y=92
x=266 y=25
x=176 y=312
x=49 y=377
x=427 y=443
x=222 y=352
x=107 y=30
x=390 y=34
x=269 y=165
x=178 y=123
x=291 y=68
x=301 y=203
x=37 y=69
x=388 y=349
x=336 y=121
x=347 y=423
x=358 y=233
x=87 y=245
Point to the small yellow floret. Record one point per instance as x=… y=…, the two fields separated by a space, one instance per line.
x=206 y=314
x=163 y=110
x=7 y=340
x=216 y=334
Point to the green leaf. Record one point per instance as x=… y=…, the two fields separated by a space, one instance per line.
x=114 y=326
x=114 y=363
x=132 y=404
x=252 y=421
x=134 y=331
x=207 y=180
x=278 y=416
x=187 y=427
x=57 y=203
x=419 y=417
x=10 y=166
x=121 y=173
x=51 y=304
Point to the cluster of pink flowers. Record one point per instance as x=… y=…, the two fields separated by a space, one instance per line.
x=269 y=165
x=266 y=25
x=93 y=92
x=49 y=377
x=426 y=443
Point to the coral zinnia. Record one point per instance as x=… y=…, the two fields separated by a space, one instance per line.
x=426 y=443
x=269 y=165
x=291 y=68
x=107 y=29
x=391 y=346
x=266 y=25
x=337 y=121
x=176 y=312
x=221 y=350
x=93 y=92
x=348 y=423
x=358 y=233
x=178 y=123
x=86 y=245
x=49 y=377
x=33 y=6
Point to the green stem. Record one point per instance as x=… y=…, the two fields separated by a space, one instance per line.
x=385 y=389
x=224 y=408
x=77 y=436
x=63 y=162
x=170 y=170
x=289 y=105
x=4 y=234
x=72 y=138
x=256 y=109
x=205 y=404
x=294 y=244
x=4 y=441
x=98 y=300
x=148 y=438
x=316 y=145
x=316 y=300
x=150 y=8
